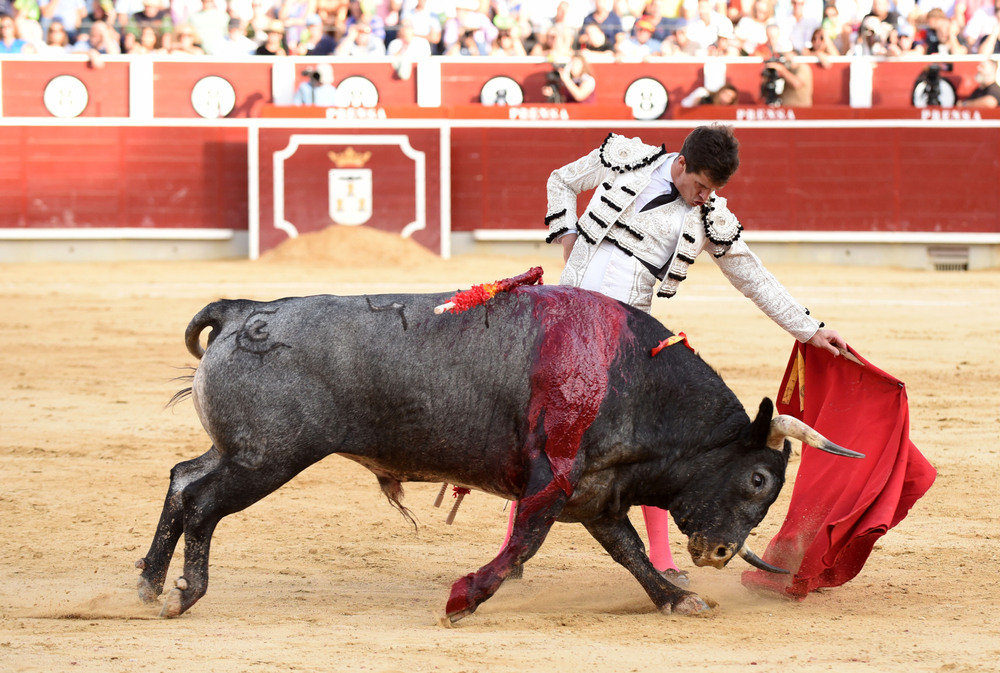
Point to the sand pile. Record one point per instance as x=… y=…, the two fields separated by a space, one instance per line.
x=352 y=247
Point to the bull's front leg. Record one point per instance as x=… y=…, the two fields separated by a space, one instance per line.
x=620 y=539
x=532 y=522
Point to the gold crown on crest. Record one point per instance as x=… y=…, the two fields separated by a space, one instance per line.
x=349 y=158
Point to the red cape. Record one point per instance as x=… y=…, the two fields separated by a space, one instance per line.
x=841 y=506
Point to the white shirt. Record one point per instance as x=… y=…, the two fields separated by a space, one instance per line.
x=612 y=271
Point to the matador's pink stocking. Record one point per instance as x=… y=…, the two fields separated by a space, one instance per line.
x=657 y=530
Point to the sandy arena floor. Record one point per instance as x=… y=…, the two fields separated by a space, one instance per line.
x=324 y=576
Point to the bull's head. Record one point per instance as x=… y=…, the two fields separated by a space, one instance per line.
x=728 y=495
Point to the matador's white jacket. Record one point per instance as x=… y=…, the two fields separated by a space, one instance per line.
x=619 y=170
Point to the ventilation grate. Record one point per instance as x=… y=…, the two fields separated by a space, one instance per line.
x=949 y=257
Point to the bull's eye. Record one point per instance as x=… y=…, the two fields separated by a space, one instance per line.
x=758 y=480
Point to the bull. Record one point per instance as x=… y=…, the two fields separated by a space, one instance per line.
x=547 y=395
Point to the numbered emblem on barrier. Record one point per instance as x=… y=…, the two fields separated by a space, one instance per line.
x=65 y=97
x=213 y=97
x=647 y=98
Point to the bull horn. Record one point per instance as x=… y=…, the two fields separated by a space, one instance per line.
x=758 y=562
x=788 y=426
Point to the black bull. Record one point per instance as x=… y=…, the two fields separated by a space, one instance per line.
x=548 y=395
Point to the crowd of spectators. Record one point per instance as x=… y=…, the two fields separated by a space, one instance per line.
x=408 y=30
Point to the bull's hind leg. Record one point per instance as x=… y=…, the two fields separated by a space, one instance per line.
x=535 y=516
x=168 y=531
x=227 y=489
x=620 y=539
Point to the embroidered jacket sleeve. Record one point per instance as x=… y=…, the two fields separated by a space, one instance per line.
x=562 y=188
x=747 y=274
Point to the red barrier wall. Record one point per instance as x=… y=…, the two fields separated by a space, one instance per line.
x=816 y=176
x=843 y=178
x=106 y=176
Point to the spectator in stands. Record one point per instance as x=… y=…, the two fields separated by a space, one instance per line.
x=629 y=11
x=507 y=42
x=237 y=43
x=152 y=14
x=99 y=41
x=883 y=11
x=663 y=24
x=837 y=30
x=679 y=43
x=594 y=43
x=798 y=26
x=56 y=40
x=317 y=89
x=873 y=38
x=576 y=83
x=211 y=26
x=987 y=94
x=469 y=32
x=426 y=22
x=407 y=49
x=822 y=47
x=70 y=12
x=605 y=18
x=333 y=13
x=751 y=31
x=940 y=35
x=555 y=46
x=10 y=43
x=724 y=95
x=705 y=26
x=260 y=22
x=359 y=42
x=312 y=33
x=725 y=45
x=319 y=39
x=185 y=42
x=774 y=45
x=102 y=10
x=181 y=10
x=147 y=42
x=365 y=13
x=641 y=45
x=294 y=14
x=539 y=16
x=921 y=8
x=25 y=12
x=273 y=44
x=982 y=23
x=991 y=43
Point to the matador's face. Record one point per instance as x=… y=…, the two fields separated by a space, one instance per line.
x=694 y=188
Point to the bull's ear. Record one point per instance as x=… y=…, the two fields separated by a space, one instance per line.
x=761 y=427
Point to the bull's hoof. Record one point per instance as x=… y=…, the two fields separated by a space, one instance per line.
x=147 y=592
x=172 y=606
x=691 y=605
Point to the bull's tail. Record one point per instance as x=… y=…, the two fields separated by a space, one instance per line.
x=214 y=315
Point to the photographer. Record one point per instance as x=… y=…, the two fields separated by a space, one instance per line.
x=785 y=81
x=987 y=93
x=318 y=88
x=571 y=83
